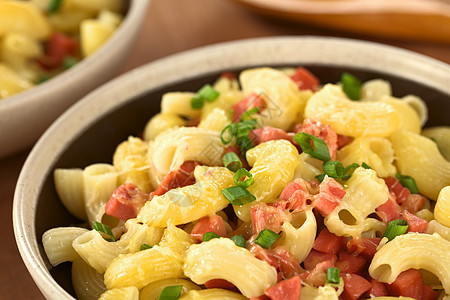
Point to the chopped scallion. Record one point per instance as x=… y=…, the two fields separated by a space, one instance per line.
x=43 y=79
x=246 y=115
x=54 y=5
x=239 y=240
x=334 y=169
x=171 y=292
x=102 y=228
x=145 y=247
x=69 y=62
x=333 y=275
x=228 y=133
x=266 y=238
x=208 y=93
x=348 y=171
x=366 y=166
x=243 y=178
x=320 y=177
x=231 y=161
x=408 y=182
x=209 y=236
x=238 y=195
x=197 y=102
x=395 y=228
x=351 y=86
x=313 y=146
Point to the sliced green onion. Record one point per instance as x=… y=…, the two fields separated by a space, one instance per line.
x=69 y=62
x=244 y=127
x=408 y=182
x=54 y=5
x=320 y=177
x=395 y=228
x=245 y=144
x=145 y=247
x=209 y=236
x=366 y=166
x=229 y=130
x=313 y=146
x=43 y=79
x=104 y=229
x=231 y=161
x=249 y=112
x=333 y=275
x=239 y=240
x=238 y=195
x=197 y=102
x=266 y=238
x=334 y=169
x=171 y=292
x=208 y=93
x=351 y=86
x=230 y=114
x=243 y=174
x=348 y=171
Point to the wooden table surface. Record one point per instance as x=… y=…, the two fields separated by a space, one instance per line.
x=171 y=26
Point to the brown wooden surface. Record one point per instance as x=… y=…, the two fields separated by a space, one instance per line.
x=172 y=26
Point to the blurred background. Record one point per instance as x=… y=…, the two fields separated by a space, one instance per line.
x=172 y=26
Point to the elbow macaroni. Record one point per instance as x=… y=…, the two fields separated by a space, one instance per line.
x=411 y=251
x=27 y=26
x=165 y=244
x=221 y=258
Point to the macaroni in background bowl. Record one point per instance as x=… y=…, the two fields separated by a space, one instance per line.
x=122 y=108
x=25 y=115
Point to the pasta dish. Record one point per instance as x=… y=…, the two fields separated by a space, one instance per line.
x=41 y=38
x=267 y=184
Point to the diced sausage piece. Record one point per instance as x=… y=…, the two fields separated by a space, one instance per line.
x=354 y=286
x=288 y=289
x=378 y=289
x=305 y=80
x=220 y=284
x=395 y=187
x=330 y=195
x=350 y=263
x=364 y=246
x=251 y=101
x=414 y=203
x=288 y=264
x=182 y=177
x=329 y=243
x=388 y=211
x=126 y=201
x=213 y=223
x=295 y=195
x=429 y=293
x=268 y=133
x=262 y=297
x=264 y=216
x=58 y=47
x=415 y=224
x=318 y=275
x=343 y=140
x=408 y=283
x=315 y=257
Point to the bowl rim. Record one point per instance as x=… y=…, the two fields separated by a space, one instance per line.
x=96 y=60
x=329 y=51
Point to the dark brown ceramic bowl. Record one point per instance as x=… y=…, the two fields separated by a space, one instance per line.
x=90 y=131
